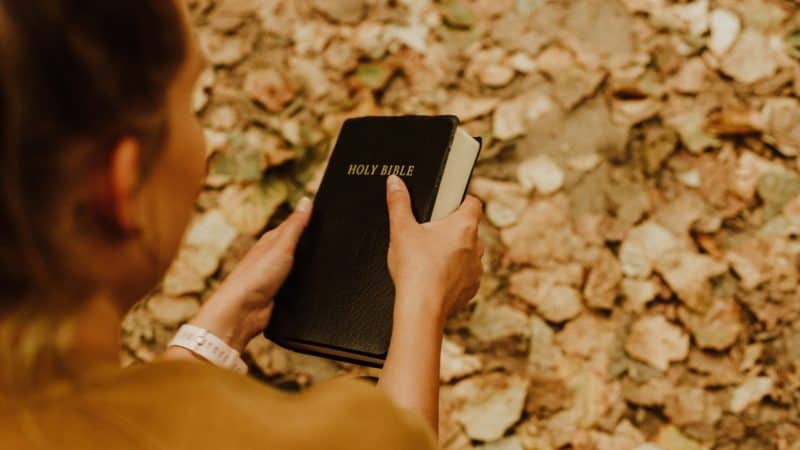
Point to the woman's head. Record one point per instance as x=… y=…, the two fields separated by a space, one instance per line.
x=100 y=152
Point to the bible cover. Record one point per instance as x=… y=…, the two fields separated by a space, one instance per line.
x=337 y=302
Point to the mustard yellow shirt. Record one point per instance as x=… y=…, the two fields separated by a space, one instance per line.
x=183 y=405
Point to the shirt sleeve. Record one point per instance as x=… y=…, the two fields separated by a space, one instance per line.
x=367 y=418
x=191 y=405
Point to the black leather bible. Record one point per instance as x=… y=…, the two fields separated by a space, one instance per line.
x=338 y=299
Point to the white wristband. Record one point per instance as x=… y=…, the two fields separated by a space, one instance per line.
x=205 y=344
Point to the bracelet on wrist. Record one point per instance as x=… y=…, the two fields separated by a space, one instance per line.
x=205 y=344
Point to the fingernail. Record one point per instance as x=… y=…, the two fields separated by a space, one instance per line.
x=304 y=205
x=394 y=182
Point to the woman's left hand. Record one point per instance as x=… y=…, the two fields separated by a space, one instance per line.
x=241 y=307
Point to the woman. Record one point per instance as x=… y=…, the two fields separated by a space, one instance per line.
x=102 y=157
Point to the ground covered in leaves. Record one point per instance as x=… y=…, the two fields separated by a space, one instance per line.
x=642 y=201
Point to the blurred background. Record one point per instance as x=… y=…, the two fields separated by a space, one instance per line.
x=641 y=185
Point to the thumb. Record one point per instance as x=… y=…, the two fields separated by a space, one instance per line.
x=292 y=228
x=399 y=204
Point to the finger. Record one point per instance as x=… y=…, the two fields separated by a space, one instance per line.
x=399 y=204
x=472 y=207
x=291 y=229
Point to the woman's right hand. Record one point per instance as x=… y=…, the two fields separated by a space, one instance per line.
x=436 y=266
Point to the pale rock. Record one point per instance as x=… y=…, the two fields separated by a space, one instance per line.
x=456 y=363
x=540 y=173
x=605 y=275
x=782 y=119
x=749 y=392
x=493 y=403
x=468 y=108
x=543 y=354
x=687 y=274
x=211 y=231
x=638 y=293
x=496 y=75
x=751 y=58
x=492 y=321
x=645 y=244
x=716 y=329
x=172 y=311
x=522 y=62
x=657 y=342
x=725 y=26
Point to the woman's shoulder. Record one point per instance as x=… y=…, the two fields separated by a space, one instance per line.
x=340 y=413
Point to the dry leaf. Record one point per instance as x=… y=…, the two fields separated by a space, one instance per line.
x=656 y=341
x=688 y=273
x=455 y=363
x=493 y=402
x=751 y=59
x=716 y=329
x=491 y=321
x=725 y=26
x=269 y=88
x=749 y=392
x=172 y=311
x=540 y=173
